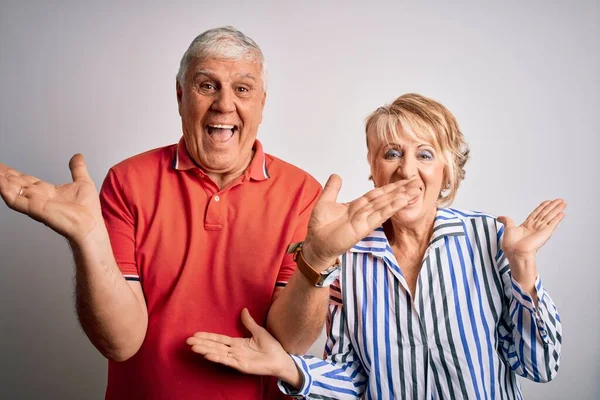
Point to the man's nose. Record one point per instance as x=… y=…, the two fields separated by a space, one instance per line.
x=224 y=101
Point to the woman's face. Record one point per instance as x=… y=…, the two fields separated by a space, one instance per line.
x=405 y=158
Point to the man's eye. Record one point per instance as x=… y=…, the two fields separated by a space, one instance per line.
x=392 y=153
x=207 y=86
x=242 y=89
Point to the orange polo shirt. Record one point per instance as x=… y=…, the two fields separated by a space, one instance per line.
x=201 y=255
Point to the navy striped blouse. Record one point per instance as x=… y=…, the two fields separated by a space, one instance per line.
x=467 y=333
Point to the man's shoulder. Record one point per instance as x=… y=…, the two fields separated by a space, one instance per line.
x=145 y=162
x=280 y=169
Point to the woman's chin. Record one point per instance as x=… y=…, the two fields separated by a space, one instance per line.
x=412 y=214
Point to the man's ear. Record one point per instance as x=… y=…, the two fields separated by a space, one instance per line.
x=179 y=91
x=264 y=100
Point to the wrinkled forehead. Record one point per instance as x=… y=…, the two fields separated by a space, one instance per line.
x=222 y=67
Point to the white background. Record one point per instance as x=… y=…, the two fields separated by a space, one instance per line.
x=99 y=78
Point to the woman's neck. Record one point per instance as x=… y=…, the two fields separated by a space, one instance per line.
x=410 y=237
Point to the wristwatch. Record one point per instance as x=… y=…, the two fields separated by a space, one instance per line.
x=316 y=278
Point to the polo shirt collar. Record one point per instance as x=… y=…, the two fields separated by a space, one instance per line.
x=447 y=223
x=257 y=170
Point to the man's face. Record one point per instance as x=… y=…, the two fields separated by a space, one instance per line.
x=221 y=104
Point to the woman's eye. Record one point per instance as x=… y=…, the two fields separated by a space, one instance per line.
x=426 y=155
x=392 y=153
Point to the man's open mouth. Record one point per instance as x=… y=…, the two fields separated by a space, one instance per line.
x=221 y=132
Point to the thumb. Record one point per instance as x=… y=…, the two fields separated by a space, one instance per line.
x=331 y=189
x=250 y=324
x=507 y=222
x=78 y=169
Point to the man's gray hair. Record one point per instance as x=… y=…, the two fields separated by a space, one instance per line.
x=225 y=43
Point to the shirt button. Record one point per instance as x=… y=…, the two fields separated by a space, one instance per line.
x=217 y=198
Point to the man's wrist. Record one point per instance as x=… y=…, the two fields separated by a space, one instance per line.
x=96 y=242
x=316 y=262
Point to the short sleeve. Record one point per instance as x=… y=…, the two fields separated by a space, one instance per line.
x=120 y=224
x=312 y=192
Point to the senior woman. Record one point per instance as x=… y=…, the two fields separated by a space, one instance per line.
x=438 y=302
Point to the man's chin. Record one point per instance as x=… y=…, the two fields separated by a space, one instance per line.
x=223 y=163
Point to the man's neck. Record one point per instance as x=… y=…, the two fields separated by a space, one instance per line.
x=225 y=178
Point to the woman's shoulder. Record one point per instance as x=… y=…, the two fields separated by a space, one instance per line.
x=462 y=214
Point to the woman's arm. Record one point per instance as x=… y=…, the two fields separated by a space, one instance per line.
x=530 y=331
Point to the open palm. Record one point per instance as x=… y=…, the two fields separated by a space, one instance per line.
x=335 y=227
x=526 y=239
x=71 y=209
x=260 y=354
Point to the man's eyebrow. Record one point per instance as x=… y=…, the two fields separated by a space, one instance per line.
x=247 y=75
x=204 y=71
x=209 y=73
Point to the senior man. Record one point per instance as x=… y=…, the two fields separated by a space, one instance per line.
x=183 y=237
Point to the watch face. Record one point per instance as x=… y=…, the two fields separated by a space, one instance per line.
x=330 y=277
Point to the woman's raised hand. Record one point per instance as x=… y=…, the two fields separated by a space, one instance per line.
x=336 y=227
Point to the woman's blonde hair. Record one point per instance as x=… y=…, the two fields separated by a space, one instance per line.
x=421 y=118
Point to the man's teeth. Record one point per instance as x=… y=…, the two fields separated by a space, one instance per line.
x=222 y=126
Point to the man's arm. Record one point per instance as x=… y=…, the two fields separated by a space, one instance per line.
x=113 y=313
x=296 y=316
x=111 y=310
x=298 y=313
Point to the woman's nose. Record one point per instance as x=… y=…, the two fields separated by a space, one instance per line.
x=407 y=168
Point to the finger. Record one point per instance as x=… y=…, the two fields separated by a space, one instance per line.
x=192 y=340
x=14 y=194
x=206 y=347
x=553 y=223
x=395 y=201
x=414 y=183
x=550 y=209
x=377 y=217
x=551 y=214
x=215 y=337
x=331 y=189
x=26 y=179
x=507 y=222
x=23 y=179
x=78 y=169
x=6 y=170
x=399 y=187
x=385 y=194
x=8 y=190
x=250 y=324
x=537 y=210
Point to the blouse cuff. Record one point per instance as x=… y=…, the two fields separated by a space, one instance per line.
x=538 y=314
x=304 y=390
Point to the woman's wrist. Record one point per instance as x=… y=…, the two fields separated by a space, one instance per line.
x=289 y=373
x=523 y=268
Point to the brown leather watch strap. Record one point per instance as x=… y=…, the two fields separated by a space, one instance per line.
x=314 y=277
